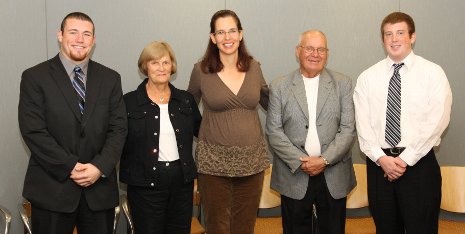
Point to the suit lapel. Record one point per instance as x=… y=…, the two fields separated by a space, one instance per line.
x=60 y=76
x=298 y=88
x=92 y=90
x=324 y=89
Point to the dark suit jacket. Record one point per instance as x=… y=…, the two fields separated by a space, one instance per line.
x=59 y=137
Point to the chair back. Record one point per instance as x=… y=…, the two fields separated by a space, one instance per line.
x=453 y=189
x=269 y=198
x=358 y=197
x=6 y=218
x=24 y=209
x=127 y=214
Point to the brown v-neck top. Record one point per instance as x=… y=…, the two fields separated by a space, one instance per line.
x=231 y=141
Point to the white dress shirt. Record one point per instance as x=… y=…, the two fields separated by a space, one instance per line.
x=312 y=142
x=167 y=141
x=425 y=112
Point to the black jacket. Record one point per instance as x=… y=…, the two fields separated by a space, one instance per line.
x=58 y=136
x=140 y=154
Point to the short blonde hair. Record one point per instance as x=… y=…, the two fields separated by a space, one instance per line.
x=154 y=51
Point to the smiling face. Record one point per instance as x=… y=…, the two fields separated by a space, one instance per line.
x=76 y=39
x=397 y=41
x=227 y=36
x=159 y=70
x=312 y=63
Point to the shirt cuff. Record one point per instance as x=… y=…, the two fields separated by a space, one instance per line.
x=377 y=153
x=409 y=156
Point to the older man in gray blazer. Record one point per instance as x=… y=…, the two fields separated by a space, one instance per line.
x=310 y=128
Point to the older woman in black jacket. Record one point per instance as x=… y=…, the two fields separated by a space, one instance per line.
x=157 y=163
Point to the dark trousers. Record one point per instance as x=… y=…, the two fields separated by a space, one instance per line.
x=166 y=208
x=297 y=214
x=87 y=221
x=230 y=203
x=409 y=204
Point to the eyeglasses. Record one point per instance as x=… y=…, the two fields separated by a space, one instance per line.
x=309 y=50
x=231 y=32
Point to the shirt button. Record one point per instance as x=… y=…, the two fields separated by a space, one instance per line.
x=156 y=116
x=177 y=129
x=180 y=146
x=154 y=150
x=154 y=168
x=155 y=134
x=167 y=164
x=152 y=184
x=172 y=114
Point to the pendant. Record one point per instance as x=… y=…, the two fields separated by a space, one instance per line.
x=161 y=98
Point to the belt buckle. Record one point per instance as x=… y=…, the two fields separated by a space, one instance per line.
x=395 y=150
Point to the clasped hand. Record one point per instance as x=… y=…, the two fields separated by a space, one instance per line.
x=85 y=174
x=393 y=167
x=312 y=165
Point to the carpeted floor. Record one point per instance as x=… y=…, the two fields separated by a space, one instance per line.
x=268 y=225
x=354 y=226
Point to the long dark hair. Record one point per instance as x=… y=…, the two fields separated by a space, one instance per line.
x=211 y=62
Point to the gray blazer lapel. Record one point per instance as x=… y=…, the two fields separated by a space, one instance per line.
x=298 y=88
x=58 y=73
x=324 y=89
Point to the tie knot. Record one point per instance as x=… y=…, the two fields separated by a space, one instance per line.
x=396 y=66
x=77 y=69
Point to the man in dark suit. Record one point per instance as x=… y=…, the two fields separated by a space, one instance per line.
x=310 y=127
x=72 y=118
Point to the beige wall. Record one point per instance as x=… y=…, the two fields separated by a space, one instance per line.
x=271 y=30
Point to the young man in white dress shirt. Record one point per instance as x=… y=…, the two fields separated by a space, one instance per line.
x=398 y=131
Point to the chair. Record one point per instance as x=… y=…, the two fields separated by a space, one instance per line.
x=358 y=198
x=24 y=209
x=6 y=218
x=267 y=221
x=453 y=198
x=196 y=227
x=127 y=214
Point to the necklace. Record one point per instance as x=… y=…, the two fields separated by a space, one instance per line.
x=162 y=98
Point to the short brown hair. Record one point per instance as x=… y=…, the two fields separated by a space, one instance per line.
x=153 y=51
x=397 y=17
x=79 y=16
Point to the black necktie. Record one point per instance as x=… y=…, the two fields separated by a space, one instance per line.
x=78 y=84
x=392 y=134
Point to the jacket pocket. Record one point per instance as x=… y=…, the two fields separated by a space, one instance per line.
x=136 y=123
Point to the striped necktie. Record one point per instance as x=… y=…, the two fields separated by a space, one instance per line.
x=392 y=134
x=78 y=84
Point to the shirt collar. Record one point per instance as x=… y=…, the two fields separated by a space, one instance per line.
x=69 y=65
x=408 y=62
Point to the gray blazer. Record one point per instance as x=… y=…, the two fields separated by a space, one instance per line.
x=286 y=128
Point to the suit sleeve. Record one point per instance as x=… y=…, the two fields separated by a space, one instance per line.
x=345 y=135
x=45 y=150
x=111 y=151
x=277 y=138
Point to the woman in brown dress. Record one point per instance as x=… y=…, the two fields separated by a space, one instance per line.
x=231 y=153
